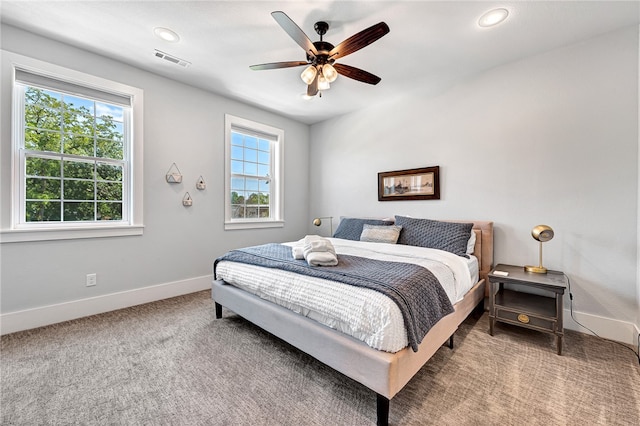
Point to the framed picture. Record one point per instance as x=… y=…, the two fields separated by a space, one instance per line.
x=412 y=184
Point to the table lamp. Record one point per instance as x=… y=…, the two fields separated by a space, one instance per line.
x=542 y=233
x=318 y=221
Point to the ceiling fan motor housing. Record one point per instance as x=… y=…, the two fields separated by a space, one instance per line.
x=322 y=57
x=322 y=47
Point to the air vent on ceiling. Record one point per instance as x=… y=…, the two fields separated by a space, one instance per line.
x=172 y=59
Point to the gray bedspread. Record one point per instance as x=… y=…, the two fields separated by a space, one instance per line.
x=415 y=290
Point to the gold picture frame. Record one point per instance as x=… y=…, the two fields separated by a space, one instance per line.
x=411 y=184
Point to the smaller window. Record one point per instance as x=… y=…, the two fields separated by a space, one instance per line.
x=253 y=178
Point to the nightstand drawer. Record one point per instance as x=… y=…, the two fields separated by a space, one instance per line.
x=525 y=319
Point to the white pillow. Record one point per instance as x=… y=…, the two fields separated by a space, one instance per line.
x=380 y=234
x=472 y=242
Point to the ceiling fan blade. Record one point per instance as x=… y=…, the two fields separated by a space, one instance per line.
x=276 y=65
x=312 y=89
x=359 y=40
x=294 y=32
x=357 y=74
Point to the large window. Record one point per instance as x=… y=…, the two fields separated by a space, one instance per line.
x=253 y=175
x=75 y=155
x=74 y=158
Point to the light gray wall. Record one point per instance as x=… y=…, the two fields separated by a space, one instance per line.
x=550 y=139
x=182 y=124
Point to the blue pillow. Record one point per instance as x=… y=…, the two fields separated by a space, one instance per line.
x=447 y=236
x=350 y=228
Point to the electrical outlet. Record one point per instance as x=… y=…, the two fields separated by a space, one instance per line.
x=92 y=279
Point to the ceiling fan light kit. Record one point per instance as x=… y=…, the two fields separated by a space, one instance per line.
x=329 y=73
x=323 y=84
x=321 y=56
x=309 y=74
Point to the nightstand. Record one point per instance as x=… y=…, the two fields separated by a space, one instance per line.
x=534 y=311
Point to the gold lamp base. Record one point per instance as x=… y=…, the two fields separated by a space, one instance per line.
x=536 y=269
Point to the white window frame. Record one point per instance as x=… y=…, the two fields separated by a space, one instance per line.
x=232 y=122
x=16 y=230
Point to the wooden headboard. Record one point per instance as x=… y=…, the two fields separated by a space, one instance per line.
x=483 y=249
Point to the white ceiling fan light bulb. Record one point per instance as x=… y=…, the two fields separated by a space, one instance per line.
x=309 y=74
x=323 y=84
x=493 y=17
x=329 y=73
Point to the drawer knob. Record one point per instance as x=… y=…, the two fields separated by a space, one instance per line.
x=523 y=318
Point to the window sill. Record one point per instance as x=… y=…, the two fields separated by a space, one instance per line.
x=49 y=234
x=228 y=226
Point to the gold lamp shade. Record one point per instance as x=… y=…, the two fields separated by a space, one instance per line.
x=542 y=233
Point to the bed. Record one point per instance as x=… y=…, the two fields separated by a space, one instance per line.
x=382 y=371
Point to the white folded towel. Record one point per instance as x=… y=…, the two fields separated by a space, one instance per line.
x=309 y=238
x=297 y=250
x=319 y=246
x=321 y=258
x=319 y=252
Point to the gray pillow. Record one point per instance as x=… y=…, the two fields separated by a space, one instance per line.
x=447 y=236
x=350 y=228
x=380 y=234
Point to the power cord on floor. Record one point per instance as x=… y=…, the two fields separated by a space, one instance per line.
x=637 y=354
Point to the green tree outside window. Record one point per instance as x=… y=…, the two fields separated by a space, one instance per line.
x=74 y=158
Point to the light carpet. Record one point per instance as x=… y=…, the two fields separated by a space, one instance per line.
x=172 y=363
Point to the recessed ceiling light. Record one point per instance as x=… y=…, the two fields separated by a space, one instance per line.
x=166 y=34
x=493 y=17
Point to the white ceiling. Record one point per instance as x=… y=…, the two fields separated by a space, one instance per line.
x=431 y=45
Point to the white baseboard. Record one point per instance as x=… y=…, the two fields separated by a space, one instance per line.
x=52 y=314
x=612 y=329
x=12 y=322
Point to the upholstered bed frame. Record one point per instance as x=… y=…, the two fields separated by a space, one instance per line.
x=383 y=372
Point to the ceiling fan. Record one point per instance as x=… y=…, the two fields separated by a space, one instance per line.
x=321 y=55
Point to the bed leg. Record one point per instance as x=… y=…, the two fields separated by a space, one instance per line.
x=218 y=310
x=451 y=342
x=382 y=410
x=479 y=309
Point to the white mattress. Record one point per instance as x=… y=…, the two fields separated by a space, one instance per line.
x=362 y=313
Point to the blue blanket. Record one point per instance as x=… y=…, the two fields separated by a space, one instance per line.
x=416 y=291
